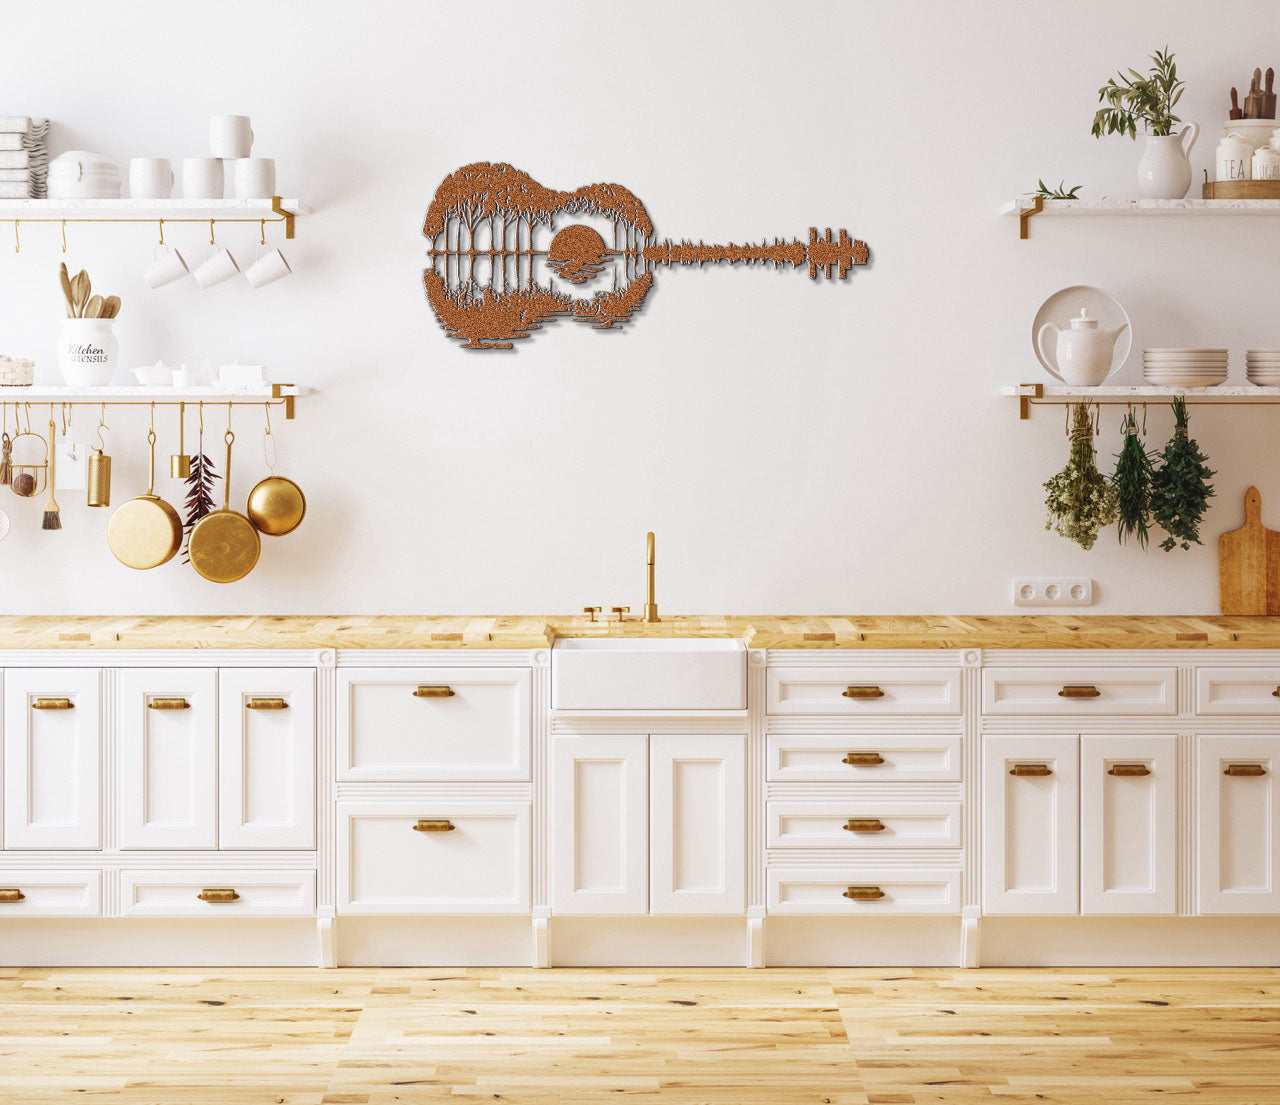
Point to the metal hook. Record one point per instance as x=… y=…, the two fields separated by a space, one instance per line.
x=229 y=416
x=211 y=241
x=268 y=441
x=1144 y=420
x=67 y=419
x=153 y=417
x=201 y=416
x=1066 y=419
x=1097 y=419
x=17 y=240
x=64 y=235
x=160 y=224
x=27 y=412
x=102 y=425
x=262 y=232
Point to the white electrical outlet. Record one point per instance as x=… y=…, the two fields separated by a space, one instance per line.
x=1052 y=591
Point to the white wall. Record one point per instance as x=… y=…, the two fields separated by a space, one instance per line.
x=826 y=446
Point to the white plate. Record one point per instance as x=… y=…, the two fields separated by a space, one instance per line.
x=1187 y=349
x=1065 y=304
x=1207 y=381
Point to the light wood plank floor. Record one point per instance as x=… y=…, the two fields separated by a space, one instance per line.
x=687 y=1037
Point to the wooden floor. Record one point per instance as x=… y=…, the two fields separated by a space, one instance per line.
x=737 y=1037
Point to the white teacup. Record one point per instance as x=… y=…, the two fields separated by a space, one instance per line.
x=150 y=178
x=255 y=178
x=230 y=136
x=201 y=178
x=267 y=269
x=216 y=268
x=165 y=269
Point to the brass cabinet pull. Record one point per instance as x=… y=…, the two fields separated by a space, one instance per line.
x=218 y=894
x=864 y=825
x=1123 y=770
x=862 y=759
x=864 y=893
x=434 y=825
x=1079 y=690
x=870 y=691
x=1249 y=770
x=168 y=704
x=11 y=894
x=53 y=704
x=433 y=692
x=1033 y=771
x=1276 y=693
x=266 y=704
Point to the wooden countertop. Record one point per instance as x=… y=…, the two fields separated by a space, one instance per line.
x=531 y=631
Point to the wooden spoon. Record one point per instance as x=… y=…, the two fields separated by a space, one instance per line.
x=110 y=307
x=65 y=280
x=93 y=309
x=80 y=292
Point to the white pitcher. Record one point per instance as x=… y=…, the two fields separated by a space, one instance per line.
x=1164 y=173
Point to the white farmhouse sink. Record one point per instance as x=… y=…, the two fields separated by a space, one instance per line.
x=677 y=674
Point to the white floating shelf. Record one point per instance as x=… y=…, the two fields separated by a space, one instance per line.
x=1034 y=395
x=136 y=395
x=277 y=209
x=1028 y=207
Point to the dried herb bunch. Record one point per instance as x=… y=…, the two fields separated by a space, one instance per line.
x=1080 y=500
x=199 y=501
x=1180 y=490
x=1132 y=481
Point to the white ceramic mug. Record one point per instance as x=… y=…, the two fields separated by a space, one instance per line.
x=201 y=178
x=150 y=178
x=216 y=268
x=267 y=269
x=230 y=136
x=165 y=269
x=255 y=178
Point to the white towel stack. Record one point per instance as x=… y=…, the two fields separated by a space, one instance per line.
x=24 y=157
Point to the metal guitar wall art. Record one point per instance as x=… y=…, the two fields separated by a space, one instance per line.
x=496 y=254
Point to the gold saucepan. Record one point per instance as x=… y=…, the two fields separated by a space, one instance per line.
x=276 y=505
x=145 y=532
x=224 y=546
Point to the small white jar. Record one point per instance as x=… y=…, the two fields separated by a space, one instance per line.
x=1234 y=158
x=1266 y=164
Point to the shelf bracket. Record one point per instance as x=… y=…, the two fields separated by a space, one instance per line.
x=1026 y=393
x=287 y=216
x=276 y=393
x=1025 y=215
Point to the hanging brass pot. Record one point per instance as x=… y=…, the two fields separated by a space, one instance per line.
x=276 y=505
x=146 y=531
x=224 y=546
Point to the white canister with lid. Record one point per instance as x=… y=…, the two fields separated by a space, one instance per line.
x=1266 y=164
x=1233 y=160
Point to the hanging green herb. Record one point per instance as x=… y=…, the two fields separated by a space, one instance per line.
x=1080 y=501
x=1181 y=489
x=1132 y=481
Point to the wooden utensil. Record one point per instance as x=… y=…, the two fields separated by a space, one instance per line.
x=224 y=546
x=80 y=289
x=1253 y=101
x=64 y=279
x=1249 y=564
x=1269 y=96
x=52 y=516
x=110 y=307
x=145 y=532
x=93 y=309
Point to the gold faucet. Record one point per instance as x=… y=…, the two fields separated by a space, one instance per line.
x=650 y=605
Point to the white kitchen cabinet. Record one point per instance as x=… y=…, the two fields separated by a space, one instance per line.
x=1128 y=824
x=863 y=889
x=863 y=691
x=1238 y=824
x=217 y=893
x=168 y=757
x=267 y=752
x=600 y=825
x=1079 y=691
x=863 y=758
x=1031 y=825
x=52 y=758
x=860 y=823
x=50 y=893
x=697 y=846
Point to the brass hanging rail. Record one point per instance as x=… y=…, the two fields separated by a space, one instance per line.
x=273 y=395
x=153 y=211
x=1041 y=395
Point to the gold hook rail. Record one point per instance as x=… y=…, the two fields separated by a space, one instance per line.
x=1034 y=395
x=283 y=217
x=282 y=396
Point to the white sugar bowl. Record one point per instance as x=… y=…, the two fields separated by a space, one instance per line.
x=1266 y=164
x=1233 y=158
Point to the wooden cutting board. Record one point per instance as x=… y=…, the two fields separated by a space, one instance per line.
x=1249 y=564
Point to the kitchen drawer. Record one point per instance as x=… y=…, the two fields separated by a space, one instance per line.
x=225 y=893
x=863 y=692
x=50 y=894
x=863 y=823
x=1238 y=691
x=479 y=865
x=434 y=724
x=862 y=758
x=1079 y=692
x=889 y=890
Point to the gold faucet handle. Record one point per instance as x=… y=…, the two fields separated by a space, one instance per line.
x=592 y=610
x=620 y=610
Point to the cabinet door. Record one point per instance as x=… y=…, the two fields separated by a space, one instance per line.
x=52 y=758
x=168 y=758
x=1031 y=824
x=267 y=724
x=600 y=825
x=1128 y=824
x=1238 y=828
x=697 y=824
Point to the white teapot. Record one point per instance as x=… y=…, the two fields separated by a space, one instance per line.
x=1082 y=355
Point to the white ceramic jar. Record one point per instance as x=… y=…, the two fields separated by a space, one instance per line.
x=1266 y=164
x=1234 y=158
x=87 y=352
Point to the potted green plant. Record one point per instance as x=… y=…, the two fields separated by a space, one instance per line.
x=1165 y=169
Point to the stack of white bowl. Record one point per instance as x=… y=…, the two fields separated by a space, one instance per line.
x=1185 y=368
x=79 y=174
x=1262 y=367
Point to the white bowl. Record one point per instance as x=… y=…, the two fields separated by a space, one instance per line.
x=1257 y=131
x=154 y=376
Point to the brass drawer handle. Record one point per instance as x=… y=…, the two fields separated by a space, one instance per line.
x=862 y=759
x=864 y=825
x=434 y=825
x=864 y=893
x=433 y=692
x=53 y=704
x=11 y=894
x=870 y=691
x=1079 y=690
x=1128 y=770
x=168 y=704
x=266 y=704
x=218 y=894
x=1248 y=770
x=1276 y=693
x=1032 y=771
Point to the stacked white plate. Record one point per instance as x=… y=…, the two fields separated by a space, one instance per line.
x=1185 y=368
x=1262 y=367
